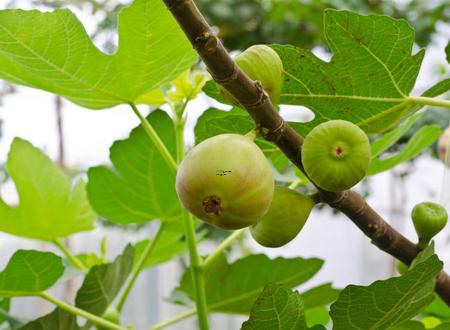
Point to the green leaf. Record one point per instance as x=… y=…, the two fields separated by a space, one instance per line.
x=232 y=288
x=141 y=187
x=167 y=247
x=390 y=138
x=390 y=302
x=321 y=295
x=58 y=319
x=103 y=283
x=438 y=308
x=52 y=51
x=409 y=325
x=277 y=308
x=4 y=308
x=214 y=121
x=30 y=272
x=368 y=79
x=49 y=206
x=421 y=140
x=447 y=52
x=90 y=259
x=317 y=316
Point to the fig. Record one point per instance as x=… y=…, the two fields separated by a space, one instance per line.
x=429 y=219
x=262 y=63
x=336 y=155
x=285 y=218
x=112 y=315
x=226 y=181
x=443 y=146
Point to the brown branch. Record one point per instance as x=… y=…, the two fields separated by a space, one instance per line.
x=270 y=124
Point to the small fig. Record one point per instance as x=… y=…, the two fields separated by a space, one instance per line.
x=284 y=220
x=111 y=315
x=336 y=155
x=429 y=219
x=262 y=63
x=226 y=181
x=443 y=146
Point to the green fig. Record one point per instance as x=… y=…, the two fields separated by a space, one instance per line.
x=429 y=219
x=111 y=315
x=336 y=155
x=262 y=63
x=284 y=220
x=226 y=181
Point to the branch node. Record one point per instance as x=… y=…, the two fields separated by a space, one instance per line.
x=207 y=41
x=233 y=76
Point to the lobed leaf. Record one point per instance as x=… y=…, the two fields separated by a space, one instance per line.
x=388 y=303
x=52 y=51
x=141 y=186
x=49 y=207
x=232 y=288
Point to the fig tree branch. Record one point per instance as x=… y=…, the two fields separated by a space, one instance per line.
x=273 y=128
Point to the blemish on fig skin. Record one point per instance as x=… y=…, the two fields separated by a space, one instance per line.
x=212 y=204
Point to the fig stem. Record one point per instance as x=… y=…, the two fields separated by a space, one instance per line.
x=155 y=139
x=177 y=318
x=73 y=259
x=139 y=266
x=253 y=134
x=80 y=312
x=196 y=262
x=222 y=247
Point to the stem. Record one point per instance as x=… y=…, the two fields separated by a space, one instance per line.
x=140 y=265
x=429 y=101
x=175 y=319
x=155 y=138
x=76 y=262
x=222 y=247
x=189 y=228
x=77 y=311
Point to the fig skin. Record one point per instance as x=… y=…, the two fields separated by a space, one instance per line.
x=226 y=181
x=261 y=63
x=336 y=155
x=285 y=219
x=429 y=219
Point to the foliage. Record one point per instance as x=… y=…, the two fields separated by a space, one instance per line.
x=368 y=81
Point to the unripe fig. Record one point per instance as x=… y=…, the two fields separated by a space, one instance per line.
x=226 y=181
x=443 y=145
x=262 y=63
x=429 y=219
x=336 y=155
x=284 y=220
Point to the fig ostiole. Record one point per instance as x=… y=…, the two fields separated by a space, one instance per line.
x=429 y=219
x=261 y=63
x=226 y=181
x=336 y=155
x=285 y=218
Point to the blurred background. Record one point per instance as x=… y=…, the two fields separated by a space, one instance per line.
x=77 y=138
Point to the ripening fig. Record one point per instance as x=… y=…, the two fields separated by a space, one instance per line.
x=429 y=219
x=443 y=145
x=262 y=63
x=226 y=181
x=284 y=220
x=336 y=155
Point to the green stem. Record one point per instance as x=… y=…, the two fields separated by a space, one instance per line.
x=197 y=271
x=155 y=138
x=76 y=262
x=140 y=265
x=77 y=311
x=173 y=320
x=224 y=245
x=196 y=266
x=429 y=101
